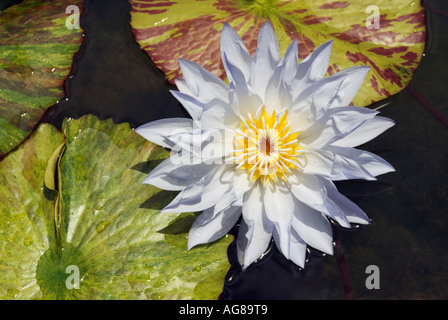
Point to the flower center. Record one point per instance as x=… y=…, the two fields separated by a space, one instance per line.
x=267 y=147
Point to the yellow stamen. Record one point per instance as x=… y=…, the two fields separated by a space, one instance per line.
x=267 y=147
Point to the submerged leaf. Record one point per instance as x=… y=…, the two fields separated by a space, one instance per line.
x=36 y=51
x=190 y=29
x=99 y=223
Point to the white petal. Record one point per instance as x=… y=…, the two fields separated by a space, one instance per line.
x=227 y=200
x=316 y=99
x=250 y=249
x=188 y=198
x=208 y=146
x=315 y=65
x=265 y=59
x=289 y=63
x=279 y=205
x=308 y=189
x=211 y=226
x=256 y=232
x=336 y=124
x=347 y=119
x=323 y=196
x=311 y=190
x=312 y=68
x=297 y=249
x=350 y=86
x=325 y=95
x=160 y=131
x=319 y=161
x=325 y=92
x=203 y=83
x=182 y=86
x=353 y=213
x=300 y=120
x=173 y=176
x=211 y=113
x=368 y=131
x=332 y=164
x=202 y=195
x=370 y=162
x=218 y=114
x=277 y=96
x=313 y=227
x=243 y=101
x=240 y=184
x=190 y=103
x=268 y=47
x=235 y=57
x=216 y=146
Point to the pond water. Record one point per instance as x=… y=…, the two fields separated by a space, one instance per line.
x=407 y=240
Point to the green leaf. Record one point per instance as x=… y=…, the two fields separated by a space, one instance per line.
x=190 y=29
x=36 y=51
x=27 y=213
x=103 y=222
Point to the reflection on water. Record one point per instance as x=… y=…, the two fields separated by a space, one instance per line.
x=407 y=237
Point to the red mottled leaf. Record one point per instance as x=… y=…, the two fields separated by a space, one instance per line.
x=36 y=51
x=190 y=29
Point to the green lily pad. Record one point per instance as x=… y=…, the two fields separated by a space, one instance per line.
x=27 y=212
x=387 y=35
x=99 y=235
x=36 y=52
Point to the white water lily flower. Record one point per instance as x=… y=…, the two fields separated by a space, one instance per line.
x=267 y=146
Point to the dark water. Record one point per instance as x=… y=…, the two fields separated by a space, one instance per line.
x=407 y=240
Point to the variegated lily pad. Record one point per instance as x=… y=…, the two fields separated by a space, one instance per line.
x=36 y=52
x=389 y=36
x=96 y=232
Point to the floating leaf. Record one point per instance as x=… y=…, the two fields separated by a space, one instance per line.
x=27 y=212
x=36 y=51
x=101 y=224
x=190 y=29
